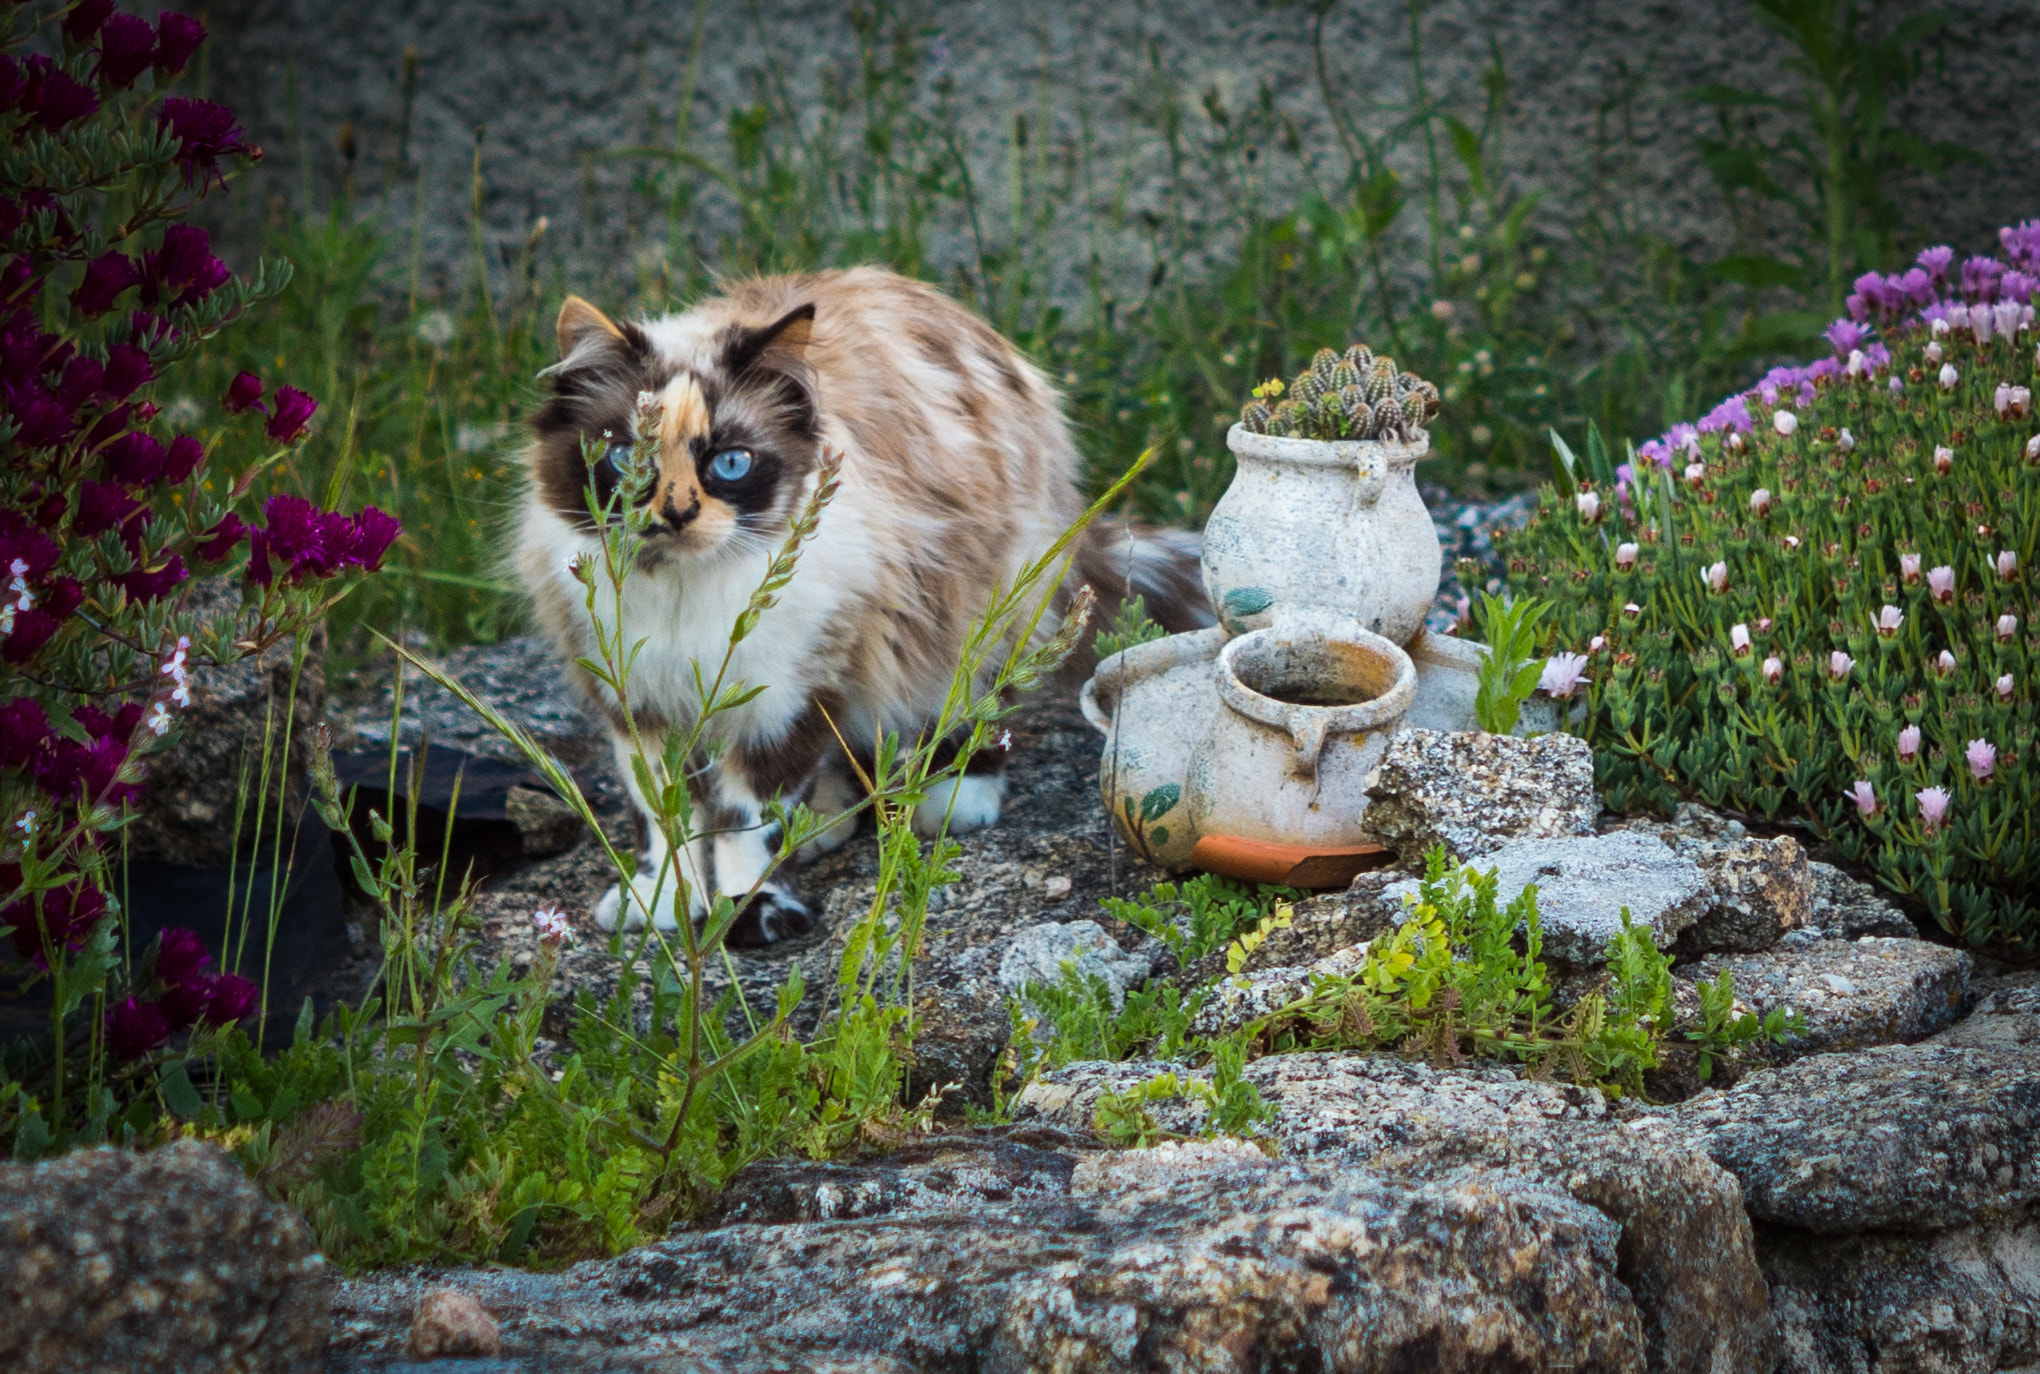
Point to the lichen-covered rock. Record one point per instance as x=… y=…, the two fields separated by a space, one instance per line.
x=2004 y=1017
x=1906 y=1137
x=1847 y=909
x=1318 y=926
x=1038 y=953
x=1186 y=1256
x=1474 y=792
x=449 y=1322
x=522 y=679
x=1687 y=1252
x=172 y=1260
x=1584 y=884
x=1963 y=1301
x=1762 y=888
x=1853 y=993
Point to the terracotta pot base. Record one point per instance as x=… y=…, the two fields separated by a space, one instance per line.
x=1292 y=865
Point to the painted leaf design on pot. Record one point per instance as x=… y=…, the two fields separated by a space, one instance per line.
x=1159 y=802
x=1245 y=601
x=1160 y=834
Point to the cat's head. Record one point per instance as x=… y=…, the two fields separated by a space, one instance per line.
x=738 y=428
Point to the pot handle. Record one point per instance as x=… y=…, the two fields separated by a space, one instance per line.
x=1307 y=736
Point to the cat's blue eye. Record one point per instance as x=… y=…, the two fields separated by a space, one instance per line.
x=616 y=457
x=731 y=465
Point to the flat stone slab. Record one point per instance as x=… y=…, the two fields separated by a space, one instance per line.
x=1584 y=884
x=1038 y=954
x=1853 y=993
x=1903 y=1137
x=2006 y=1016
x=1474 y=792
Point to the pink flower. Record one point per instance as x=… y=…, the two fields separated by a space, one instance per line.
x=1982 y=758
x=293 y=412
x=1763 y=624
x=1716 y=577
x=1949 y=377
x=1563 y=673
x=2007 y=626
x=1945 y=664
x=1941 y=582
x=1774 y=670
x=1944 y=458
x=1933 y=807
x=552 y=925
x=2007 y=565
x=1625 y=556
x=1839 y=665
x=243 y=393
x=1865 y=797
x=1887 y=622
x=1760 y=502
x=2004 y=687
x=1909 y=568
x=1909 y=744
x=1739 y=639
x=1589 y=506
x=134 y=1027
x=1597 y=643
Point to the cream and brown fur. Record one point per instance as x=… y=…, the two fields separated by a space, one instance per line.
x=957 y=469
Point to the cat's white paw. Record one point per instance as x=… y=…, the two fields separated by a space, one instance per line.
x=632 y=911
x=978 y=797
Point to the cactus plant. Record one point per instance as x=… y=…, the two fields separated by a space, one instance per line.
x=1354 y=395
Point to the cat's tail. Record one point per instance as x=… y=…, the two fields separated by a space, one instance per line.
x=1121 y=560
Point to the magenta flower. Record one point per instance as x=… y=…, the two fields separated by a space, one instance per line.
x=1846 y=336
x=1941 y=582
x=233 y=997
x=183 y=270
x=84 y=18
x=375 y=531
x=1933 y=807
x=1981 y=756
x=106 y=276
x=54 y=97
x=1937 y=261
x=177 y=37
x=69 y=914
x=1839 y=665
x=1909 y=744
x=294 y=411
x=222 y=538
x=243 y=393
x=127 y=48
x=205 y=132
x=1562 y=675
x=134 y=1027
x=133 y=460
x=180 y=957
x=1887 y=622
x=183 y=459
x=127 y=367
x=101 y=508
x=1865 y=797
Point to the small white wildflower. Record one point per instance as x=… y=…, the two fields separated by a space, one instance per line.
x=184 y=412
x=26 y=825
x=1845 y=441
x=552 y=925
x=476 y=438
x=1005 y=739
x=158 y=721
x=182 y=694
x=435 y=329
x=1949 y=376
x=1785 y=422
x=1562 y=675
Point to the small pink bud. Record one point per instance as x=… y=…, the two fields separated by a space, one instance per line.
x=1791 y=542
x=1944 y=458
x=1845 y=441
x=1945 y=664
x=1909 y=568
x=1909 y=744
x=1597 y=643
x=1982 y=758
x=1716 y=577
x=2007 y=564
x=1949 y=377
x=1625 y=556
x=1865 y=797
x=2004 y=687
x=1589 y=506
x=1760 y=502
x=2033 y=449
x=1785 y=422
x=1739 y=639
x=1774 y=670
x=1631 y=611
x=2007 y=627
x=1887 y=622
x=1696 y=473
x=1839 y=665
x=1858 y=364
x=1763 y=624
x=1941 y=582
x=1933 y=807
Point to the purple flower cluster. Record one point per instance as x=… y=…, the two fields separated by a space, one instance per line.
x=308 y=542
x=65 y=916
x=68 y=768
x=1981 y=280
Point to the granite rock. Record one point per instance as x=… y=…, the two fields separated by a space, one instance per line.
x=1901 y=1138
x=1038 y=953
x=1762 y=889
x=1583 y=885
x=1185 y=1256
x=1853 y=993
x=1474 y=792
x=449 y=1322
x=2004 y=1017
x=171 y=1260
x=1848 y=909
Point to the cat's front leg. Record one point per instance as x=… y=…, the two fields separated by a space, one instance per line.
x=783 y=764
x=657 y=884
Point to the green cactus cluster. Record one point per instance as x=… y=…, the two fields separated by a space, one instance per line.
x=1357 y=394
x=1823 y=613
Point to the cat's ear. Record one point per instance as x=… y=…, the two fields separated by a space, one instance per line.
x=780 y=343
x=581 y=324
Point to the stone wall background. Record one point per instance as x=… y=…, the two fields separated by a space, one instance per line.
x=556 y=83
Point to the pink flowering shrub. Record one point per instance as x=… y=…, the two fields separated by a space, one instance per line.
x=107 y=519
x=1885 y=572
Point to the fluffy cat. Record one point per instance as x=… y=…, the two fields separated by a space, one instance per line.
x=957 y=469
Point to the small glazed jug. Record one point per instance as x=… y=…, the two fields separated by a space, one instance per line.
x=1313 y=523
x=1306 y=710
x=1153 y=703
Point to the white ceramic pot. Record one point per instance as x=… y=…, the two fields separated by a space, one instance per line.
x=1337 y=526
x=1153 y=703
x=1306 y=709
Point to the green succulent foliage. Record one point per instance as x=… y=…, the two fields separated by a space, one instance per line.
x=1510 y=672
x=1811 y=535
x=1354 y=395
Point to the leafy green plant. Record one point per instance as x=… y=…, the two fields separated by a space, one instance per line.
x=1817 y=604
x=1202 y=913
x=1130 y=627
x=1723 y=1033
x=1510 y=670
x=1233 y=1106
